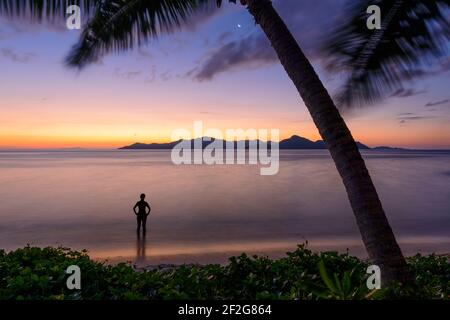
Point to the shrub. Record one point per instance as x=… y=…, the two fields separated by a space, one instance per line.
x=39 y=273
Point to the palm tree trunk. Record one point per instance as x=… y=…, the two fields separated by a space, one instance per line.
x=377 y=235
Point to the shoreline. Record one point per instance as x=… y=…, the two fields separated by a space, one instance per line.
x=167 y=266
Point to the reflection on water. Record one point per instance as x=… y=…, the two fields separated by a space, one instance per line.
x=205 y=213
x=141 y=245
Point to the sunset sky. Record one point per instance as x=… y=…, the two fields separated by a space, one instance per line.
x=219 y=69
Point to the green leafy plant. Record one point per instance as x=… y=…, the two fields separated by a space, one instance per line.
x=345 y=287
x=33 y=273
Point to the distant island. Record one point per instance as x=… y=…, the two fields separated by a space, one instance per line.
x=294 y=142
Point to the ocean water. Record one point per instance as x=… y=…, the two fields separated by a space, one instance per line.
x=201 y=213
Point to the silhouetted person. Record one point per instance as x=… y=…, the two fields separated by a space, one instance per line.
x=141 y=213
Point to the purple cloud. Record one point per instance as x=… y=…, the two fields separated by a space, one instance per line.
x=404 y=119
x=14 y=56
x=436 y=103
x=125 y=74
x=249 y=52
x=403 y=93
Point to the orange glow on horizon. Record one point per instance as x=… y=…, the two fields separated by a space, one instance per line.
x=114 y=134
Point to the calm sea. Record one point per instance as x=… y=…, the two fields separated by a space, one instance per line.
x=200 y=213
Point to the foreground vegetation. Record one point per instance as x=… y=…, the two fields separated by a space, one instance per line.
x=39 y=273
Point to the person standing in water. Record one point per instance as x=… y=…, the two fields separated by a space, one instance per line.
x=141 y=213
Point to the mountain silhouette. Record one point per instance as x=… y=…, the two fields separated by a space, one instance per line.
x=297 y=142
x=294 y=142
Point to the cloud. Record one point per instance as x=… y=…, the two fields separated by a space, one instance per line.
x=155 y=75
x=403 y=93
x=308 y=20
x=250 y=52
x=436 y=103
x=151 y=77
x=17 y=57
x=224 y=36
x=126 y=74
x=404 y=119
x=210 y=112
x=166 y=75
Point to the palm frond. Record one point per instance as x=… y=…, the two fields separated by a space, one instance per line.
x=414 y=34
x=119 y=25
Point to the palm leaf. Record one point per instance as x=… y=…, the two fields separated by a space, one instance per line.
x=119 y=25
x=414 y=34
